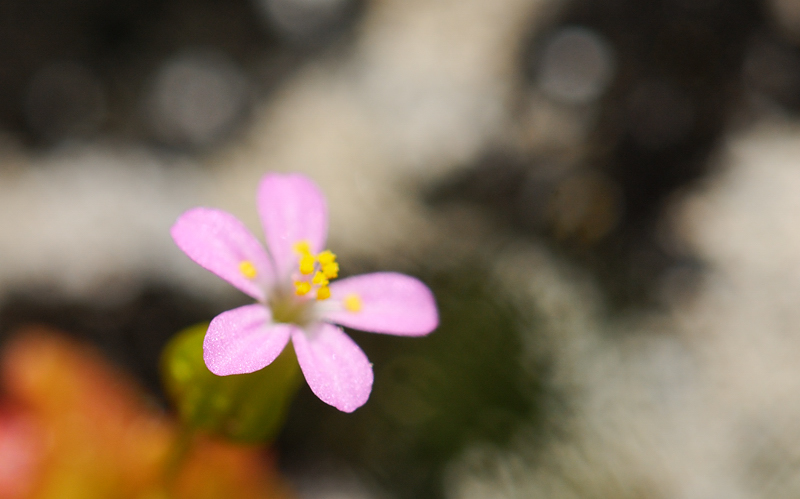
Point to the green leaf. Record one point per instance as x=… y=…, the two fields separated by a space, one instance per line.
x=244 y=407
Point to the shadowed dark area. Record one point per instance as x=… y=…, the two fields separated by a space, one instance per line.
x=472 y=381
x=676 y=84
x=82 y=69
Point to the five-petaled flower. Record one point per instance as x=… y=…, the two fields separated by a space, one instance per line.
x=297 y=296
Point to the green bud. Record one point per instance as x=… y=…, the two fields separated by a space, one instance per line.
x=243 y=407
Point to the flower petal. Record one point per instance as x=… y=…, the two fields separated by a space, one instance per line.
x=244 y=340
x=292 y=209
x=388 y=303
x=219 y=242
x=336 y=369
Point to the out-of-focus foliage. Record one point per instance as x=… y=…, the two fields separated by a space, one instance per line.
x=465 y=383
x=245 y=407
x=73 y=427
x=131 y=333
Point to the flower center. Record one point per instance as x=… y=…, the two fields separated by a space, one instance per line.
x=286 y=308
x=315 y=271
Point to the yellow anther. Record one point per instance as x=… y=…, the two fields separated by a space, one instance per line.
x=302 y=287
x=331 y=270
x=323 y=293
x=247 y=269
x=319 y=279
x=326 y=257
x=352 y=303
x=302 y=247
x=307 y=264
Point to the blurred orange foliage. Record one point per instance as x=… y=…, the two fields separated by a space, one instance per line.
x=72 y=426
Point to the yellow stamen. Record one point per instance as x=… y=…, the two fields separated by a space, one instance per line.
x=323 y=266
x=331 y=270
x=352 y=303
x=302 y=247
x=320 y=279
x=326 y=257
x=323 y=293
x=307 y=264
x=247 y=269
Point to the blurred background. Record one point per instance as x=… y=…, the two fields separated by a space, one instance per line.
x=602 y=194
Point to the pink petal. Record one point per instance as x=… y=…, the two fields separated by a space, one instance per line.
x=292 y=209
x=219 y=242
x=244 y=340
x=335 y=367
x=390 y=303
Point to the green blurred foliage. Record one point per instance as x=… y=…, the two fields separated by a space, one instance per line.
x=245 y=408
x=465 y=383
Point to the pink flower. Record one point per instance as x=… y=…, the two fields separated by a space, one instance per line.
x=297 y=297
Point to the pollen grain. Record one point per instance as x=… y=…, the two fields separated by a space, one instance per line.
x=248 y=270
x=352 y=303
